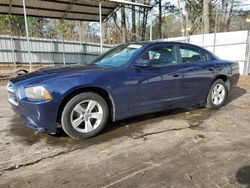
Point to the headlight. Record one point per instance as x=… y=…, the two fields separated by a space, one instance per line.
x=37 y=93
x=10 y=88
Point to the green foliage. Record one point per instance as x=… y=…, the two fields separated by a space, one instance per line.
x=194 y=10
x=4 y=22
x=35 y=27
x=171 y=26
x=13 y=24
x=66 y=28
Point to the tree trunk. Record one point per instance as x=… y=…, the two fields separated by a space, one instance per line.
x=133 y=24
x=230 y=14
x=123 y=24
x=160 y=21
x=144 y=24
x=206 y=15
x=105 y=31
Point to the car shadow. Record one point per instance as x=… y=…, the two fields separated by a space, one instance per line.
x=193 y=120
x=243 y=176
x=128 y=126
x=193 y=115
x=156 y=117
x=139 y=120
x=235 y=93
x=118 y=129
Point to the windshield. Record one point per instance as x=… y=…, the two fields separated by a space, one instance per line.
x=117 y=56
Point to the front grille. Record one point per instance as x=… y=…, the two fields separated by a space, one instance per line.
x=13 y=99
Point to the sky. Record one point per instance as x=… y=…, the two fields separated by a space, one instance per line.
x=244 y=4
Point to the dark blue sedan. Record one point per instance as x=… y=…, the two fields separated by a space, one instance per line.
x=129 y=80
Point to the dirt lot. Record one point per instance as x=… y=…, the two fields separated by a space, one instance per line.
x=193 y=147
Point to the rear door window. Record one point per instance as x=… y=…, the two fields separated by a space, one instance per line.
x=189 y=55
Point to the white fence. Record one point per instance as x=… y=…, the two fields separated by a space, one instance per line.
x=46 y=51
x=233 y=46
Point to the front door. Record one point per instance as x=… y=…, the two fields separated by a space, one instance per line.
x=156 y=86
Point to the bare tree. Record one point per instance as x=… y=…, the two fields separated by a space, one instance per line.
x=105 y=31
x=230 y=15
x=160 y=20
x=133 y=23
x=117 y=31
x=144 y=23
x=206 y=15
x=227 y=12
x=123 y=24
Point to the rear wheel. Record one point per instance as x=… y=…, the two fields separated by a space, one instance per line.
x=217 y=95
x=85 y=115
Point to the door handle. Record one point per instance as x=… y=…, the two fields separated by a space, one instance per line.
x=211 y=69
x=176 y=75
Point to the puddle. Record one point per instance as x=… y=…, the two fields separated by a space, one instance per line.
x=198 y=116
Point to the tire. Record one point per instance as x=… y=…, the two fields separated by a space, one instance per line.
x=85 y=115
x=217 y=94
x=19 y=73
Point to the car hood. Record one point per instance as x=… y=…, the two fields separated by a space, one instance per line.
x=52 y=71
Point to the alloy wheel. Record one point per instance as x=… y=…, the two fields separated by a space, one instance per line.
x=86 y=116
x=218 y=94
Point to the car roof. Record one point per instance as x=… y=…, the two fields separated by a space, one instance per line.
x=164 y=42
x=149 y=43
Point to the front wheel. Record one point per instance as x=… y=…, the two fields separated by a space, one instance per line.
x=85 y=115
x=217 y=94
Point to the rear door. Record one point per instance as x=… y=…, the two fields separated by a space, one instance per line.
x=197 y=72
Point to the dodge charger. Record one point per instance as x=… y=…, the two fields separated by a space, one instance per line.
x=129 y=80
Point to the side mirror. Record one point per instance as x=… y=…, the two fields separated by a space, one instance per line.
x=143 y=63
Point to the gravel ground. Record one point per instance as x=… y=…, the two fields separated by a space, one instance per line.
x=191 y=147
